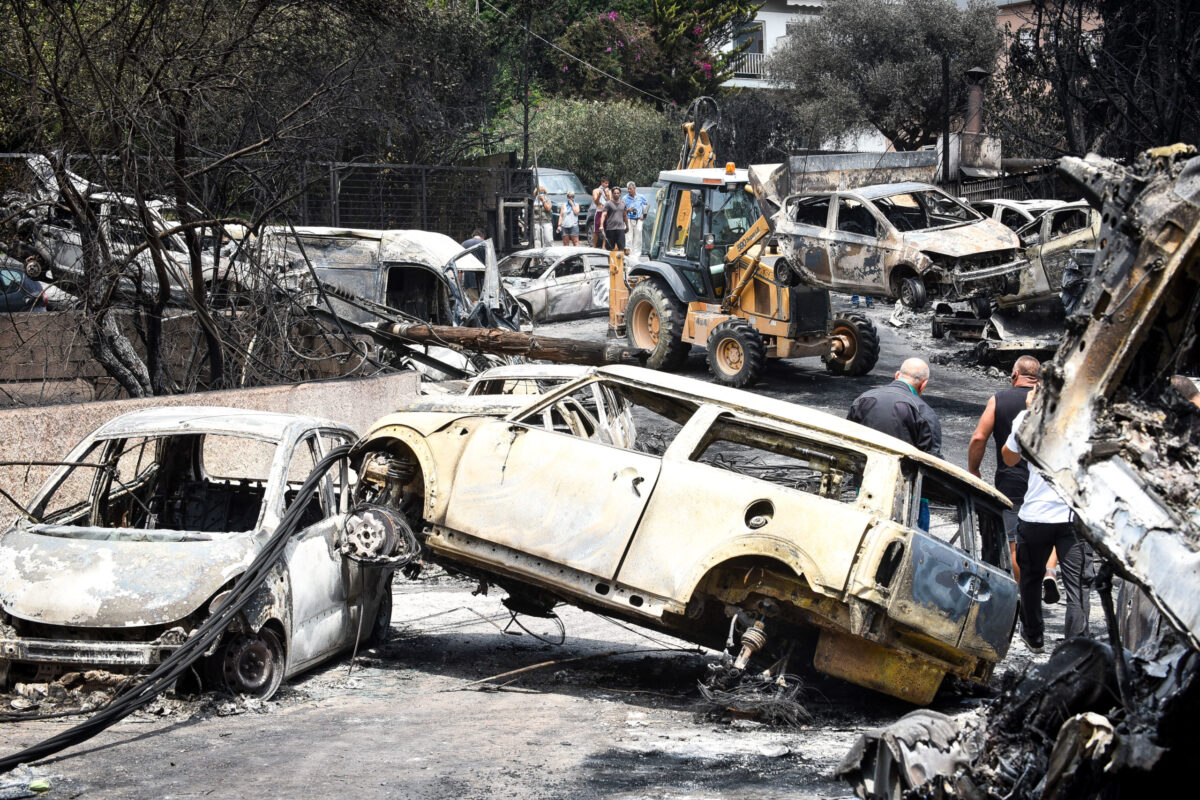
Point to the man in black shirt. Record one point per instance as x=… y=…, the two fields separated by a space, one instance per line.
x=996 y=422
x=898 y=409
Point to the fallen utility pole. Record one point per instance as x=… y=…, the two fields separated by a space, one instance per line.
x=518 y=343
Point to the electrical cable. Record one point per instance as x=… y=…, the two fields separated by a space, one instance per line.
x=549 y=43
x=208 y=634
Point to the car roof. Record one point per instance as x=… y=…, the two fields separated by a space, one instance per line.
x=518 y=371
x=752 y=404
x=210 y=419
x=558 y=251
x=884 y=189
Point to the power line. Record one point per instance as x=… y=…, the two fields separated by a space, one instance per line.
x=545 y=41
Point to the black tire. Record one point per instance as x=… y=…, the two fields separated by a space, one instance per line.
x=912 y=293
x=784 y=274
x=983 y=306
x=937 y=329
x=248 y=663
x=860 y=357
x=654 y=321
x=736 y=353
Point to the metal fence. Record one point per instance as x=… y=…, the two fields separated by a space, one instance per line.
x=1040 y=183
x=446 y=199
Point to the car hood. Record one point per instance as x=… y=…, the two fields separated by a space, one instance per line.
x=51 y=574
x=984 y=236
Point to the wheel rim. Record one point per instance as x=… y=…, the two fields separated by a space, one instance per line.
x=730 y=356
x=906 y=294
x=251 y=663
x=849 y=339
x=646 y=325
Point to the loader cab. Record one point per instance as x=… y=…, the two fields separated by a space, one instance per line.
x=698 y=215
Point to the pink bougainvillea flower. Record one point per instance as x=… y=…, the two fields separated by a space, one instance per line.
x=696 y=31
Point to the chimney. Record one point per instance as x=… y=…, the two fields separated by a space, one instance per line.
x=974 y=121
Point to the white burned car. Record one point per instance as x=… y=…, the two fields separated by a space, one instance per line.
x=558 y=282
x=730 y=515
x=143 y=530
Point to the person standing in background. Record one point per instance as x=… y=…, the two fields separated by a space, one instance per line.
x=614 y=222
x=543 y=236
x=599 y=198
x=636 y=206
x=568 y=220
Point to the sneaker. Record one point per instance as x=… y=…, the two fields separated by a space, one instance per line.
x=1034 y=645
x=854 y=301
x=1050 y=592
x=870 y=302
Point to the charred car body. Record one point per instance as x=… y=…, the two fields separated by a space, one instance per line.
x=909 y=241
x=808 y=537
x=558 y=282
x=134 y=541
x=51 y=241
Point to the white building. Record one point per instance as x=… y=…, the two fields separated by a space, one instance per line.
x=765 y=33
x=771 y=26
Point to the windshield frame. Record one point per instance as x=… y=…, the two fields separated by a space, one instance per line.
x=919 y=196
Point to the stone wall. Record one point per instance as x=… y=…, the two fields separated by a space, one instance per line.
x=48 y=433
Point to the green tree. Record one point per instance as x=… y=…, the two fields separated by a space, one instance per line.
x=879 y=63
x=621 y=139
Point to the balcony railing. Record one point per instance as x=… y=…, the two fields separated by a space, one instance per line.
x=748 y=65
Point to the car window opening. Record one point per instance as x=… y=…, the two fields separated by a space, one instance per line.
x=782 y=459
x=210 y=483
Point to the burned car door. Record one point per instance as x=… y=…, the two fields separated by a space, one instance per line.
x=523 y=487
x=942 y=586
x=1064 y=230
x=808 y=229
x=855 y=246
x=993 y=614
x=324 y=585
x=568 y=290
x=597 y=279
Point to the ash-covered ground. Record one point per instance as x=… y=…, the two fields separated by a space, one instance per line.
x=615 y=714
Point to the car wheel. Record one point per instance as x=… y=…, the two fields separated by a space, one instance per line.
x=937 y=329
x=736 y=353
x=654 y=320
x=983 y=307
x=912 y=293
x=860 y=346
x=249 y=663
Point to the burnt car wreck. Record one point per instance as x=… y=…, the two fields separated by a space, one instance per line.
x=1123 y=448
x=812 y=543
x=136 y=540
x=909 y=241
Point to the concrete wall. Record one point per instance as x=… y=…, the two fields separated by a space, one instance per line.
x=48 y=433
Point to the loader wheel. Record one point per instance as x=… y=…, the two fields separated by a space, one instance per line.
x=912 y=293
x=654 y=319
x=736 y=353
x=860 y=346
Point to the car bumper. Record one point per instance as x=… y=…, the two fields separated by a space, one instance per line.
x=107 y=654
x=987 y=279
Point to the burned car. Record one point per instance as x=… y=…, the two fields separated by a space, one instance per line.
x=138 y=536
x=558 y=282
x=909 y=241
x=1048 y=242
x=1014 y=214
x=53 y=243
x=730 y=516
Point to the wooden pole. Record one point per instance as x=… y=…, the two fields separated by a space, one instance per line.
x=519 y=343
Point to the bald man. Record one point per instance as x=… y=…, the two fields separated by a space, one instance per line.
x=899 y=410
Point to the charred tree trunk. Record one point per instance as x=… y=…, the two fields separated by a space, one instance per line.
x=517 y=343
